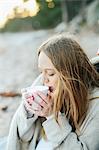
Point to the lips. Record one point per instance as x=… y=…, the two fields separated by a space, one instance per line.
x=51 y=89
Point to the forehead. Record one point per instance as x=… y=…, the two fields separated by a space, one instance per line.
x=44 y=62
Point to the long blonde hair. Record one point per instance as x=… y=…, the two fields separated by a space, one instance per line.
x=77 y=77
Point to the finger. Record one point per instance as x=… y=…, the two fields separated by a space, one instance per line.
x=30 y=99
x=27 y=106
x=42 y=95
x=32 y=102
x=39 y=113
x=26 y=95
x=36 y=106
x=43 y=104
x=46 y=100
x=43 y=112
x=29 y=110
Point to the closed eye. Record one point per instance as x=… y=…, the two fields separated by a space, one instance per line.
x=47 y=71
x=52 y=74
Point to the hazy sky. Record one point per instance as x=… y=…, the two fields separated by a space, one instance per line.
x=7 y=6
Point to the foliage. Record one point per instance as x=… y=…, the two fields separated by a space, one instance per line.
x=18 y=24
x=47 y=17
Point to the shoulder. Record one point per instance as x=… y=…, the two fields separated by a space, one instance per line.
x=95 y=60
x=94 y=102
x=92 y=117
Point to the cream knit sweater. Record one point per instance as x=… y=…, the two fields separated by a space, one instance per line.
x=24 y=133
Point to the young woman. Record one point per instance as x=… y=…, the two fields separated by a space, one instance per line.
x=68 y=117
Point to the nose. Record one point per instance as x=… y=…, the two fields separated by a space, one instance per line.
x=45 y=80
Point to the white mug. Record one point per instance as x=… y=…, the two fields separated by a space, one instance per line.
x=34 y=89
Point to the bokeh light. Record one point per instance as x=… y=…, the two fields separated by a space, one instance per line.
x=10 y=9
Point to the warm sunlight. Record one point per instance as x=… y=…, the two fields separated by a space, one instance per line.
x=16 y=8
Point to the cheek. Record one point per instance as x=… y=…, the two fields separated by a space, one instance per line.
x=54 y=81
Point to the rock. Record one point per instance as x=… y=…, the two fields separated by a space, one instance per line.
x=92 y=14
x=74 y=24
x=61 y=27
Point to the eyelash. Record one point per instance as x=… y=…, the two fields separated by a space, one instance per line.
x=51 y=74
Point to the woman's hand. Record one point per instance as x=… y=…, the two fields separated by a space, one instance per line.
x=46 y=105
x=29 y=100
x=37 y=103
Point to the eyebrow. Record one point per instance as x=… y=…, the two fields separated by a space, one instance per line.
x=45 y=68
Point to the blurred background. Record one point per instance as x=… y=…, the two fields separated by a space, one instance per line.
x=24 y=25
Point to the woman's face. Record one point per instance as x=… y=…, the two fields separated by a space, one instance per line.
x=50 y=77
